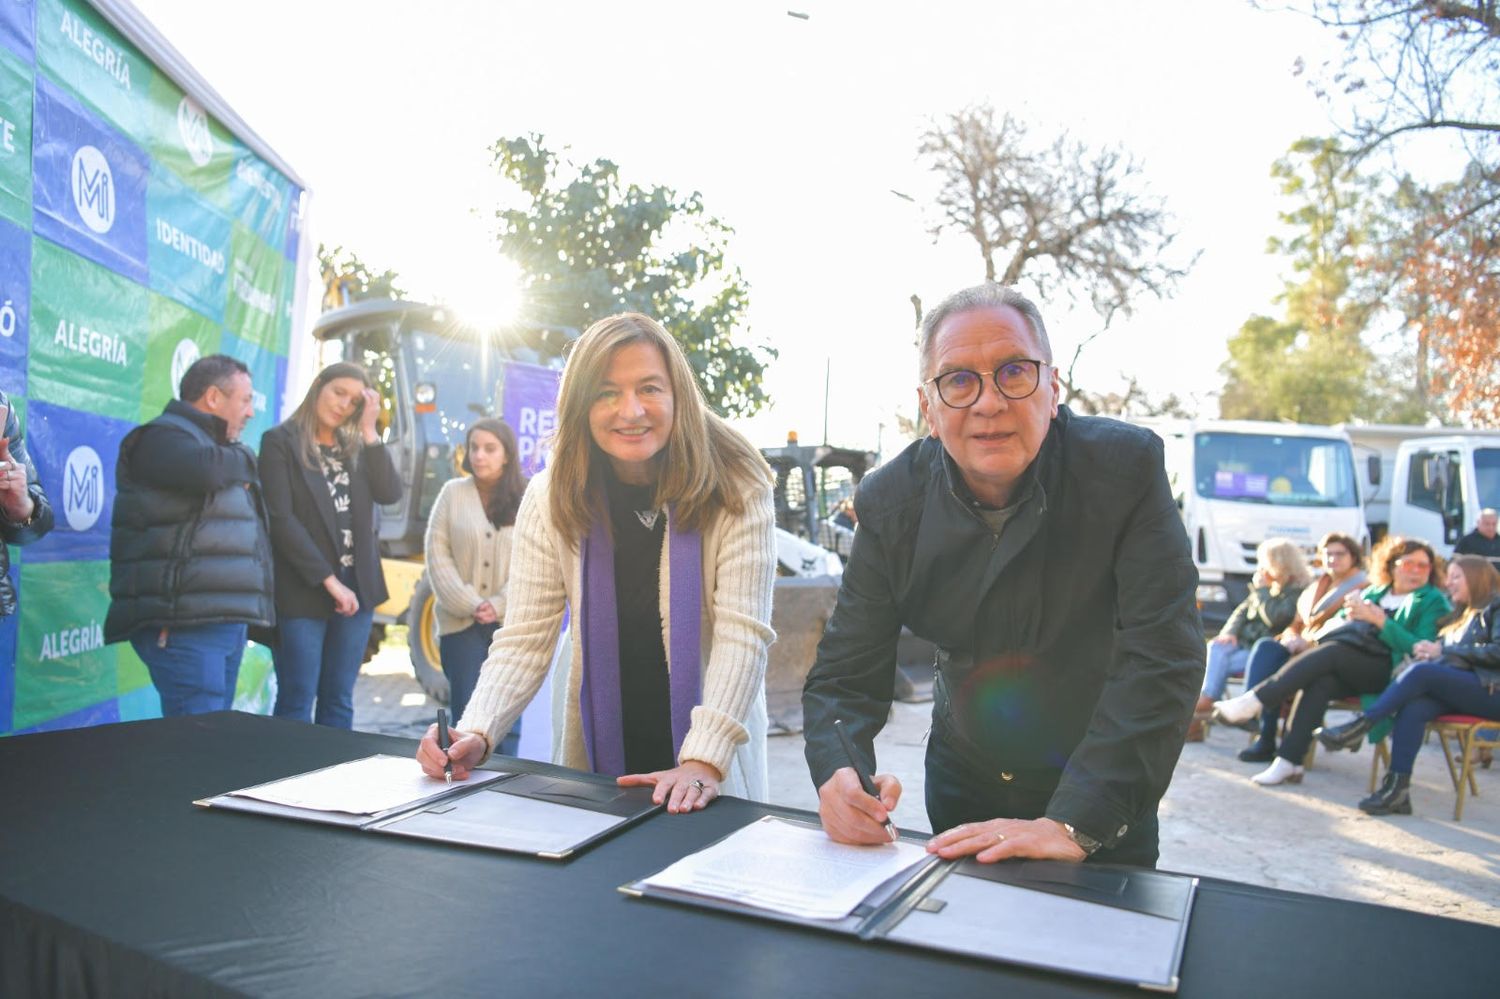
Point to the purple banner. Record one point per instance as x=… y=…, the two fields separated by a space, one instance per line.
x=530 y=407
x=89 y=185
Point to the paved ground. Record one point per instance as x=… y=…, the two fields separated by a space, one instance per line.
x=1213 y=820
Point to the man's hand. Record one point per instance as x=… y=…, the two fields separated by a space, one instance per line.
x=466 y=750
x=1225 y=640
x=1001 y=839
x=851 y=816
x=684 y=788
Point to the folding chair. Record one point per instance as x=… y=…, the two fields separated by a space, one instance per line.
x=1470 y=733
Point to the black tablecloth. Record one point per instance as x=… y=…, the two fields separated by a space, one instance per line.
x=112 y=882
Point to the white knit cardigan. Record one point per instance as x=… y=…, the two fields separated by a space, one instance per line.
x=467 y=556
x=728 y=728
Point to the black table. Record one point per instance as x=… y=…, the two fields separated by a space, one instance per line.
x=113 y=883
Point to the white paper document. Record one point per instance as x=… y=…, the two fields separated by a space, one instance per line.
x=506 y=822
x=361 y=787
x=789 y=868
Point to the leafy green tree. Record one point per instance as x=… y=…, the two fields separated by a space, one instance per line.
x=346 y=278
x=1313 y=364
x=589 y=245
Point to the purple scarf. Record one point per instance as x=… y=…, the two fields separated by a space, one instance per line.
x=599 y=698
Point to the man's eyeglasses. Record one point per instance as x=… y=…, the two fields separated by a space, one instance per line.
x=961 y=388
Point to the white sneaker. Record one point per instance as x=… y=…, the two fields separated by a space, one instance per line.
x=1238 y=710
x=1279 y=772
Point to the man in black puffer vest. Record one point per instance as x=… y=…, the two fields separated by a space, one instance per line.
x=190 y=554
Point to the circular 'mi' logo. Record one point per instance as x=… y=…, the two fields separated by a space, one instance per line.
x=83 y=487
x=182 y=359
x=93 y=189
x=192 y=125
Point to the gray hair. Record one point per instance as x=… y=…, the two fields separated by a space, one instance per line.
x=988 y=295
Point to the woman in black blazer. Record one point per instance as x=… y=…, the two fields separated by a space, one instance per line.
x=323 y=470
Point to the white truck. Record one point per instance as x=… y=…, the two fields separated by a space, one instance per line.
x=1239 y=482
x=1441 y=483
x=1375 y=449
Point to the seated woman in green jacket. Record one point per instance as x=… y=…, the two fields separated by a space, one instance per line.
x=1382 y=625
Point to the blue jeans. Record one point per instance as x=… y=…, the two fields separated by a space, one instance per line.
x=1266 y=657
x=196 y=670
x=463 y=653
x=1224 y=661
x=1427 y=690
x=319 y=658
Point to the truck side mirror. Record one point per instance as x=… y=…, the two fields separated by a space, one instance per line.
x=1374 y=469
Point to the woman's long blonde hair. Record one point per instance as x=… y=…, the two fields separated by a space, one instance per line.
x=1484 y=584
x=705 y=467
x=1285 y=558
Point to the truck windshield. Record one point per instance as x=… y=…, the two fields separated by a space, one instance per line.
x=1268 y=468
x=1487 y=474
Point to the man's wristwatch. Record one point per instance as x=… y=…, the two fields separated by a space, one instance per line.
x=1086 y=843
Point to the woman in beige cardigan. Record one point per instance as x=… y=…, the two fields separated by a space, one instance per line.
x=468 y=556
x=654 y=525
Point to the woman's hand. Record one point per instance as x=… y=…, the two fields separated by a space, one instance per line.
x=686 y=788
x=369 y=414
x=345 y=603
x=1295 y=644
x=1427 y=650
x=1224 y=640
x=485 y=613
x=466 y=750
x=1363 y=610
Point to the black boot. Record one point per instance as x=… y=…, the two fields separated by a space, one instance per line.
x=1262 y=750
x=1393 y=798
x=1346 y=736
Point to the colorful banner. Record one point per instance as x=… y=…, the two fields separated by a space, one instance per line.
x=77 y=47
x=137 y=234
x=178 y=337
x=89 y=184
x=15 y=137
x=16 y=30
x=89 y=348
x=187 y=246
x=75 y=455
x=15 y=306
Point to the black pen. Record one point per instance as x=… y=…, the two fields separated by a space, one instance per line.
x=443 y=745
x=864 y=779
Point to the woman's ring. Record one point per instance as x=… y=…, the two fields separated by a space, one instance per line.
x=699 y=785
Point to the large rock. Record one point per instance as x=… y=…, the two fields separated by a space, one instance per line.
x=800 y=610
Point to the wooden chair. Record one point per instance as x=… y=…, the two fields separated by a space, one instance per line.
x=1471 y=734
x=1379 y=759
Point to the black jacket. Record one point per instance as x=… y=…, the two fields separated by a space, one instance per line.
x=41 y=517
x=1070 y=648
x=188 y=542
x=304 y=532
x=1478 y=648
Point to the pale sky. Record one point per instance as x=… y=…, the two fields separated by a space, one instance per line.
x=795 y=131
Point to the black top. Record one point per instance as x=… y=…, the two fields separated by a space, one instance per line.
x=336 y=471
x=645 y=699
x=1475 y=543
x=305 y=531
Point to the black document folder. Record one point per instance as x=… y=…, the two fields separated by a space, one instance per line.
x=544 y=816
x=1119 y=924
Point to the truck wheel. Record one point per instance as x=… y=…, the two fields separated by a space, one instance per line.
x=422 y=637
